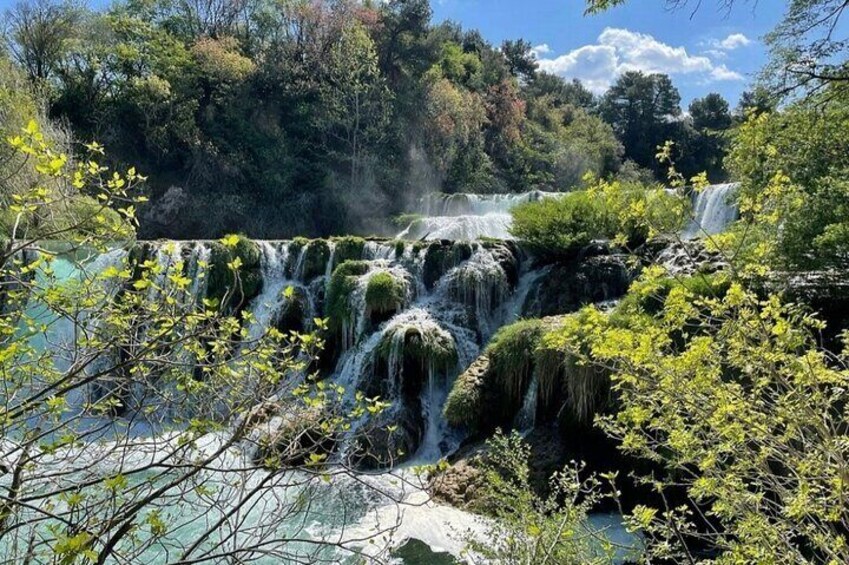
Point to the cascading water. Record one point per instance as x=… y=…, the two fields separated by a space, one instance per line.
x=714 y=208
x=451 y=297
x=467 y=217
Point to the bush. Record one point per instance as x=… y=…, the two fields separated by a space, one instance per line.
x=556 y=228
x=384 y=293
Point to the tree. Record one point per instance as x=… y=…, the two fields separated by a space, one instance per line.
x=754 y=102
x=561 y=91
x=710 y=112
x=41 y=33
x=520 y=58
x=355 y=104
x=642 y=110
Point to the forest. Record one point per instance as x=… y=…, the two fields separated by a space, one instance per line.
x=327 y=281
x=279 y=119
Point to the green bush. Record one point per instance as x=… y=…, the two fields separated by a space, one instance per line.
x=556 y=228
x=384 y=293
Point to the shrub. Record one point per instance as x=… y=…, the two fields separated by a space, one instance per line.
x=384 y=293
x=557 y=228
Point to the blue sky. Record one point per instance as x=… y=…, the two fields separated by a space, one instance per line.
x=709 y=51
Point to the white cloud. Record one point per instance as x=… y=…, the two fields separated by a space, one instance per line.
x=619 y=50
x=733 y=41
x=541 y=50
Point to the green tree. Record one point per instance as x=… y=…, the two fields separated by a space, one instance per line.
x=42 y=32
x=711 y=112
x=643 y=110
x=126 y=394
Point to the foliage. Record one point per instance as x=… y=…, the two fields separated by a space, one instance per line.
x=384 y=293
x=127 y=393
x=791 y=165
x=285 y=118
x=559 y=227
x=530 y=529
x=745 y=411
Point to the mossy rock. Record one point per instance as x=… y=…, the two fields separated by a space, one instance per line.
x=343 y=281
x=316 y=256
x=292 y=314
x=384 y=293
x=465 y=407
x=221 y=278
x=440 y=257
x=348 y=249
x=571 y=285
x=400 y=247
x=491 y=392
x=424 y=346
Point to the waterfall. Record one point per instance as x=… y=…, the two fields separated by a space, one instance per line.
x=527 y=416
x=451 y=298
x=468 y=217
x=714 y=209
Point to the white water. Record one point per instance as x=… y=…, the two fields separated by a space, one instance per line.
x=467 y=217
x=714 y=209
x=465 y=306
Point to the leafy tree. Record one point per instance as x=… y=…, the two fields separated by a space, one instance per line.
x=126 y=395
x=561 y=91
x=710 y=112
x=643 y=110
x=531 y=529
x=41 y=34
x=757 y=102
x=791 y=165
x=520 y=59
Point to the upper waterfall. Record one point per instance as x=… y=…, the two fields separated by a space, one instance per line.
x=714 y=208
x=467 y=216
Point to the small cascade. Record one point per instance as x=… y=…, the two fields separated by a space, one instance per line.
x=527 y=416
x=273 y=268
x=714 y=209
x=467 y=217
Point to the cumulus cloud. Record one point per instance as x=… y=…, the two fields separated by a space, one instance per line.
x=733 y=41
x=619 y=50
x=540 y=50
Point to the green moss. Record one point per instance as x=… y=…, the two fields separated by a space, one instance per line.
x=440 y=257
x=492 y=390
x=384 y=293
x=511 y=355
x=343 y=281
x=400 y=246
x=316 y=256
x=221 y=279
x=427 y=345
x=465 y=405
x=348 y=249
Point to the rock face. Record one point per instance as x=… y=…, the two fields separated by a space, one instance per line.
x=682 y=257
x=569 y=286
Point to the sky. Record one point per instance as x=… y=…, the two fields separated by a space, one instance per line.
x=711 y=50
